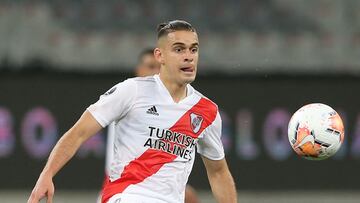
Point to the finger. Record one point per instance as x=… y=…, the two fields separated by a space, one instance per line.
x=50 y=195
x=32 y=198
x=49 y=200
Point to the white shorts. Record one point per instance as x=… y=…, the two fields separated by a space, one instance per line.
x=127 y=198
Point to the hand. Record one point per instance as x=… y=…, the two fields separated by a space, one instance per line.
x=44 y=188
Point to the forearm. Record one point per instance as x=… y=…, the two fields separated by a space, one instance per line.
x=63 y=151
x=65 y=148
x=70 y=142
x=223 y=187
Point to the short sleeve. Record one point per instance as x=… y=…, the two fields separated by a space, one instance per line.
x=210 y=145
x=115 y=103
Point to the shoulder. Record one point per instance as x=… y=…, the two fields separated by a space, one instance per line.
x=136 y=81
x=147 y=79
x=144 y=82
x=126 y=82
x=210 y=103
x=209 y=107
x=125 y=87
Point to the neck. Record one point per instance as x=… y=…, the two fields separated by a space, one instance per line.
x=177 y=91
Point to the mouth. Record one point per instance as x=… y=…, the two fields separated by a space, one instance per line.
x=187 y=69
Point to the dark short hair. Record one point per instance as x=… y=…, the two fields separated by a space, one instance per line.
x=172 y=26
x=146 y=51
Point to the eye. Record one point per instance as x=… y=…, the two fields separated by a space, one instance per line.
x=194 y=50
x=178 y=49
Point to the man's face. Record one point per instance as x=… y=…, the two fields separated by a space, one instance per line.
x=147 y=66
x=179 y=53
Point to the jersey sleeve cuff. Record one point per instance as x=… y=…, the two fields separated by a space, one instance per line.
x=98 y=117
x=214 y=158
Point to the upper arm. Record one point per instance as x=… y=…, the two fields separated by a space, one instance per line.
x=86 y=126
x=112 y=105
x=115 y=103
x=210 y=145
x=214 y=166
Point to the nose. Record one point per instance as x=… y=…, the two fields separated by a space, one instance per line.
x=189 y=57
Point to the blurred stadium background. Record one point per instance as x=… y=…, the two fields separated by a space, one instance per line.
x=260 y=61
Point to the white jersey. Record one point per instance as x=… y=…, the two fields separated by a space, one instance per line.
x=109 y=147
x=155 y=138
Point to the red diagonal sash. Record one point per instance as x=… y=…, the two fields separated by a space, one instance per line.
x=152 y=160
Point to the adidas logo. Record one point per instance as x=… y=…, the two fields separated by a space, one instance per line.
x=152 y=111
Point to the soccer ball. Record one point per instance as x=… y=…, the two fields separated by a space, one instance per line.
x=316 y=131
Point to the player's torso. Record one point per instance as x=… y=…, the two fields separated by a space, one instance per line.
x=155 y=121
x=160 y=135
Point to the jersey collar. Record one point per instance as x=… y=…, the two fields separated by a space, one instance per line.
x=164 y=91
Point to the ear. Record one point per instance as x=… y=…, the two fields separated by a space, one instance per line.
x=158 y=55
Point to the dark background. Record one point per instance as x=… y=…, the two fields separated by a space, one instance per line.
x=66 y=96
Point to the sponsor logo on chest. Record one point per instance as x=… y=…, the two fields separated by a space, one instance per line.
x=152 y=111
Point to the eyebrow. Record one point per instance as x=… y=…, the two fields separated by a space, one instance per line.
x=182 y=44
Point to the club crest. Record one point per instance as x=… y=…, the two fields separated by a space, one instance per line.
x=196 y=122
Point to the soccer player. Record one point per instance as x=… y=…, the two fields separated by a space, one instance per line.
x=147 y=66
x=158 y=120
